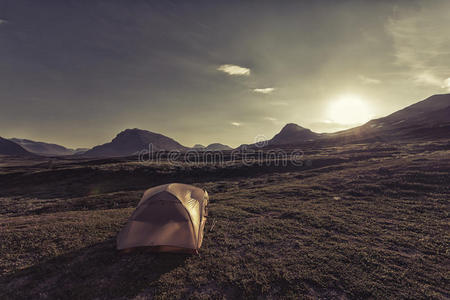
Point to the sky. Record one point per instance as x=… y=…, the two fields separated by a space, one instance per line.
x=77 y=73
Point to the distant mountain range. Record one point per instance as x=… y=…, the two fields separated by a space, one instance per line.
x=428 y=119
x=46 y=149
x=212 y=147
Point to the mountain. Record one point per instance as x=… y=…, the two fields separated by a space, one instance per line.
x=43 y=148
x=198 y=146
x=212 y=147
x=291 y=134
x=79 y=151
x=8 y=147
x=132 y=141
x=217 y=147
x=427 y=119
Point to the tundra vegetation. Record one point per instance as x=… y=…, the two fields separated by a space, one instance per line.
x=356 y=221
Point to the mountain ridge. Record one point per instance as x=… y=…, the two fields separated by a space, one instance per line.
x=427 y=119
x=43 y=148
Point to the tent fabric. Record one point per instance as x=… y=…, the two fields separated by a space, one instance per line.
x=168 y=218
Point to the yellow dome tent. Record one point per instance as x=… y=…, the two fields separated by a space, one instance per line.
x=169 y=218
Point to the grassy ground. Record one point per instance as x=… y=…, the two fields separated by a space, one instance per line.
x=358 y=222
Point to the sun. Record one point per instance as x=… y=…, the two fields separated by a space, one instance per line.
x=349 y=110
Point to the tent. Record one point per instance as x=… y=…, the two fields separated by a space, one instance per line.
x=169 y=218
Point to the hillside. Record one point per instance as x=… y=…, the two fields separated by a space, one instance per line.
x=8 y=147
x=43 y=148
x=427 y=119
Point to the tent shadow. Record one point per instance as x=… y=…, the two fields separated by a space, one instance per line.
x=98 y=271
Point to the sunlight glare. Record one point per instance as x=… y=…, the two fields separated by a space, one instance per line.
x=349 y=110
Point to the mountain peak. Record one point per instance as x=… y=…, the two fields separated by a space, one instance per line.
x=212 y=147
x=136 y=136
x=132 y=131
x=292 y=134
x=132 y=141
x=292 y=127
x=218 y=147
x=198 y=146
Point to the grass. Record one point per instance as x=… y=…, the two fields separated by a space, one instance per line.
x=358 y=223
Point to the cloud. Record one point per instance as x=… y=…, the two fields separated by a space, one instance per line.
x=368 y=80
x=427 y=78
x=234 y=70
x=264 y=90
x=237 y=124
x=421 y=43
x=270 y=119
x=446 y=84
